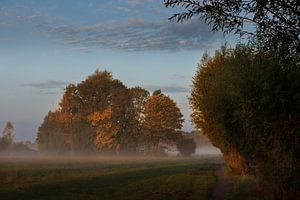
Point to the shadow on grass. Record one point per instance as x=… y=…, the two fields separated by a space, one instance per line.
x=173 y=181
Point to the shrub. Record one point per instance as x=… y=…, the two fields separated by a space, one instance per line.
x=186 y=146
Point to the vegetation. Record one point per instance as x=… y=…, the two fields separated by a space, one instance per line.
x=100 y=114
x=8 y=144
x=7 y=139
x=246 y=100
x=162 y=119
x=106 y=178
x=186 y=146
x=247 y=103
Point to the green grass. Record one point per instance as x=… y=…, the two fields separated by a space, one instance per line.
x=106 y=178
x=244 y=187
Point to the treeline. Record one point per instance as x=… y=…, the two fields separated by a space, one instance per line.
x=102 y=115
x=8 y=145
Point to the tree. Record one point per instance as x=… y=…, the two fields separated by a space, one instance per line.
x=186 y=146
x=7 y=139
x=277 y=22
x=51 y=137
x=203 y=102
x=247 y=103
x=135 y=115
x=98 y=114
x=162 y=119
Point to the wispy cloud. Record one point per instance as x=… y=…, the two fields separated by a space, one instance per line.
x=51 y=84
x=171 y=88
x=179 y=76
x=134 y=26
x=136 y=35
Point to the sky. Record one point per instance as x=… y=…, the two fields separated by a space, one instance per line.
x=45 y=45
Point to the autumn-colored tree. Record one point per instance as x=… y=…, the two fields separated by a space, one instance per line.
x=94 y=115
x=162 y=119
x=101 y=114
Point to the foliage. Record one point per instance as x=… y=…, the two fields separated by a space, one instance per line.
x=277 y=22
x=186 y=146
x=8 y=145
x=248 y=103
x=100 y=114
x=7 y=139
x=51 y=135
x=162 y=119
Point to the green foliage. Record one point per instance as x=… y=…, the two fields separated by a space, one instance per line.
x=186 y=146
x=248 y=102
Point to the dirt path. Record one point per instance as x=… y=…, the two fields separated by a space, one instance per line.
x=223 y=187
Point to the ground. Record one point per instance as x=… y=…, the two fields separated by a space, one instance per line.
x=107 y=178
x=120 y=178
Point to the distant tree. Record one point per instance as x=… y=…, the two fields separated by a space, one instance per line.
x=98 y=114
x=186 y=146
x=21 y=147
x=7 y=139
x=162 y=119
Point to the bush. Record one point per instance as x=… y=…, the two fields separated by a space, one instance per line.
x=248 y=102
x=186 y=146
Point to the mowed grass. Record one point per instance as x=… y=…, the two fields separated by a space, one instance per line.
x=106 y=178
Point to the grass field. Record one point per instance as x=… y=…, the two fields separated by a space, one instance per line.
x=106 y=178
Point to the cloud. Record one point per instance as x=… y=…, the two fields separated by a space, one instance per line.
x=171 y=88
x=124 y=30
x=47 y=84
x=179 y=76
x=136 y=35
x=135 y=2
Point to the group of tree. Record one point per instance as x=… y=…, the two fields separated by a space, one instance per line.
x=247 y=99
x=8 y=144
x=102 y=115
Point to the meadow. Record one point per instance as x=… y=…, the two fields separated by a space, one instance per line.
x=107 y=178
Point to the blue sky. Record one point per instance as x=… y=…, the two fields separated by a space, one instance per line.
x=45 y=45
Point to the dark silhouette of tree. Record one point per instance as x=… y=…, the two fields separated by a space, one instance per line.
x=186 y=146
x=7 y=139
x=277 y=22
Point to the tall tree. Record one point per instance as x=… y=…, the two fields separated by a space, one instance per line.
x=162 y=119
x=133 y=138
x=248 y=105
x=7 y=139
x=51 y=137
